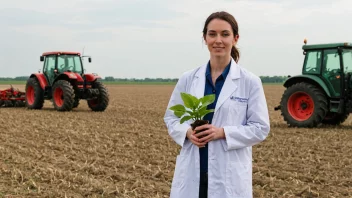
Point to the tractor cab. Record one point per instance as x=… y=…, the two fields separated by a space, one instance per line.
x=56 y=63
x=322 y=93
x=330 y=62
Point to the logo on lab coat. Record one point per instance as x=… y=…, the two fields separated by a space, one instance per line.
x=238 y=99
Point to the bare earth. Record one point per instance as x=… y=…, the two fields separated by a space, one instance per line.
x=126 y=151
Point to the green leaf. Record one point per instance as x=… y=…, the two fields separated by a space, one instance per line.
x=191 y=113
x=203 y=112
x=188 y=100
x=203 y=108
x=179 y=113
x=199 y=113
x=196 y=102
x=207 y=100
x=178 y=108
x=185 y=118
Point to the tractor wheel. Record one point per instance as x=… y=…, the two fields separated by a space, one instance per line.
x=1 y=102
x=333 y=118
x=34 y=94
x=101 y=103
x=63 y=96
x=303 y=105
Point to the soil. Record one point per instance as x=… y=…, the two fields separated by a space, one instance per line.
x=198 y=123
x=127 y=152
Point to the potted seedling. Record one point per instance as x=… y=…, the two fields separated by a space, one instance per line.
x=194 y=108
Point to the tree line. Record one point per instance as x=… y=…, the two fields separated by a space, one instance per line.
x=265 y=79
x=18 y=78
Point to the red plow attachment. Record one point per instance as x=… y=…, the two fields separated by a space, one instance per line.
x=12 y=98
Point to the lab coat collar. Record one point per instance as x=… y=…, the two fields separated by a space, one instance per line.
x=234 y=72
x=229 y=86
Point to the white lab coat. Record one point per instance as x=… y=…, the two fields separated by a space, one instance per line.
x=242 y=111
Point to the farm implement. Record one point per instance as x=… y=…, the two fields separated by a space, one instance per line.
x=12 y=98
x=322 y=94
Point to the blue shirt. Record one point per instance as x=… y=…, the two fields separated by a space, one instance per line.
x=211 y=89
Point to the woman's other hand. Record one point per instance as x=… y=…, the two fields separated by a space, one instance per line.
x=195 y=140
x=210 y=133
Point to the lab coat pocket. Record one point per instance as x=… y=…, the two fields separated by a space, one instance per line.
x=238 y=178
x=237 y=113
x=180 y=171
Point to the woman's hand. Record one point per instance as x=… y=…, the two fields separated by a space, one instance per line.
x=210 y=133
x=191 y=136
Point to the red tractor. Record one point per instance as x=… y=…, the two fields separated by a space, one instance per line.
x=64 y=82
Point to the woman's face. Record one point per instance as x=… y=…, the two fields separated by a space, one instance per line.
x=220 y=38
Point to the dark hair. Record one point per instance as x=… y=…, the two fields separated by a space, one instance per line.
x=232 y=21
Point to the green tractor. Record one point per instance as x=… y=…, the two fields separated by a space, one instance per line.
x=64 y=82
x=322 y=94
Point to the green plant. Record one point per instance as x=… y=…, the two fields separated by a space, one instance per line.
x=193 y=107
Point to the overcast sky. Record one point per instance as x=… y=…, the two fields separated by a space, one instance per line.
x=161 y=38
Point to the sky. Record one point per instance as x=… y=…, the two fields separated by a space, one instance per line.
x=163 y=38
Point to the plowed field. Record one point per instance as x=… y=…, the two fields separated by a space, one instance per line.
x=126 y=151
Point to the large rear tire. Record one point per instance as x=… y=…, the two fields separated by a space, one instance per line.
x=303 y=105
x=333 y=118
x=63 y=95
x=102 y=101
x=34 y=94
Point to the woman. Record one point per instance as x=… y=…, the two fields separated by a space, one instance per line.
x=219 y=165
